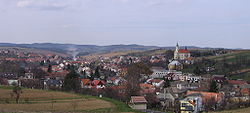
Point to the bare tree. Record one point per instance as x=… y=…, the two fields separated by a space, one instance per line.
x=17 y=90
x=135 y=72
x=210 y=104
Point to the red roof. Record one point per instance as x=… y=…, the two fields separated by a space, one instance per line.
x=244 y=91
x=155 y=80
x=96 y=82
x=236 y=82
x=183 y=51
x=146 y=86
x=207 y=96
x=85 y=81
x=138 y=99
x=58 y=74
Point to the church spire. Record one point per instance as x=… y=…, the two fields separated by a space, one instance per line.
x=176 y=53
x=177 y=47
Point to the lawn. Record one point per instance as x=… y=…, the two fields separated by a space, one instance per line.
x=243 y=110
x=244 y=76
x=33 y=100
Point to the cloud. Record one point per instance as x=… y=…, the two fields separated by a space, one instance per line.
x=42 y=4
x=24 y=3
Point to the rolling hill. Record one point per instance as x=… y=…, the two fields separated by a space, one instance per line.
x=88 y=49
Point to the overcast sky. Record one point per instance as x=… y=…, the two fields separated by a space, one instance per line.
x=205 y=23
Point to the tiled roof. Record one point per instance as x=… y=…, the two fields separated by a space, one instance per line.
x=138 y=99
x=155 y=80
x=146 y=86
x=183 y=51
x=85 y=81
x=96 y=82
x=236 y=82
x=244 y=91
x=206 y=96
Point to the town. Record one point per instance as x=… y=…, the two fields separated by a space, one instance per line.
x=175 y=80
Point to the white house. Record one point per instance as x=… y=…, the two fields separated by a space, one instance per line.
x=138 y=102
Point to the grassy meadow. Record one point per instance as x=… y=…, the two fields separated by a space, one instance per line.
x=32 y=100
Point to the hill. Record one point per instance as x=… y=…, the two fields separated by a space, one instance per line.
x=88 y=49
x=33 y=100
x=33 y=50
x=235 y=64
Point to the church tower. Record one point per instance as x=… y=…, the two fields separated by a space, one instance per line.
x=176 y=52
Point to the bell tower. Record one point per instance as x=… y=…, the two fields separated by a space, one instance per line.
x=176 y=52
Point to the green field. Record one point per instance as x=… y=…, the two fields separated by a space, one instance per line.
x=245 y=76
x=234 y=63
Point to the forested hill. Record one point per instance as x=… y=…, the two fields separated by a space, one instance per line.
x=64 y=48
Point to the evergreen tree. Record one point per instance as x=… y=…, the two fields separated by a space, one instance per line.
x=71 y=81
x=68 y=67
x=213 y=87
x=84 y=74
x=42 y=63
x=166 y=83
x=197 y=70
x=97 y=73
x=49 y=68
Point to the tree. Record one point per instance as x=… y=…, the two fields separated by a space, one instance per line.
x=97 y=73
x=17 y=90
x=49 y=68
x=71 y=81
x=166 y=83
x=42 y=63
x=196 y=70
x=169 y=54
x=3 y=81
x=133 y=77
x=152 y=100
x=213 y=87
x=210 y=104
x=38 y=73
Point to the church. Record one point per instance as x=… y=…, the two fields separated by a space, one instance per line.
x=181 y=54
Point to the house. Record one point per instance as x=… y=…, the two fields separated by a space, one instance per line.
x=158 y=72
x=146 y=88
x=236 y=82
x=193 y=79
x=166 y=98
x=235 y=94
x=97 y=84
x=85 y=83
x=29 y=76
x=9 y=75
x=53 y=84
x=209 y=98
x=115 y=80
x=13 y=82
x=191 y=103
x=138 y=103
x=158 y=83
x=219 y=78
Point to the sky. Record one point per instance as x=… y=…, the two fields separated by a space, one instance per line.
x=203 y=23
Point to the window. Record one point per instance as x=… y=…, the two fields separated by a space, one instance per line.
x=183 y=104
